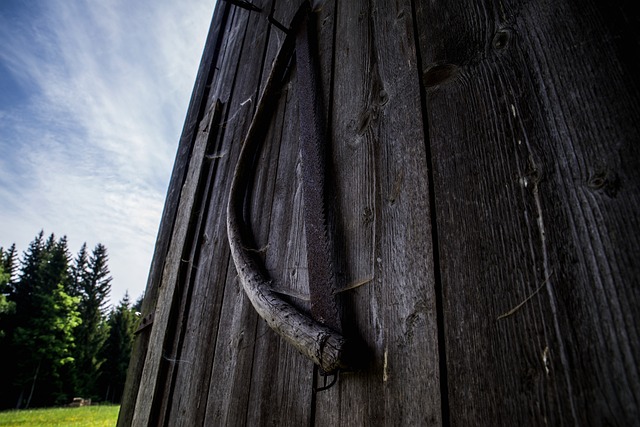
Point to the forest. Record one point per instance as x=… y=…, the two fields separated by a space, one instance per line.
x=60 y=337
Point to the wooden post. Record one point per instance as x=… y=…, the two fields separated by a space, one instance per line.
x=484 y=166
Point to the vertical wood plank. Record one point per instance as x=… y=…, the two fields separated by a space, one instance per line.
x=356 y=399
x=167 y=291
x=211 y=294
x=355 y=108
x=187 y=139
x=192 y=362
x=174 y=358
x=281 y=377
x=377 y=127
x=533 y=134
x=241 y=367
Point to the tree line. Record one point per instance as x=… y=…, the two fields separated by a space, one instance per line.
x=59 y=338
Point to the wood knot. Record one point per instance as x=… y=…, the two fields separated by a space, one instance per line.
x=608 y=182
x=438 y=74
x=501 y=39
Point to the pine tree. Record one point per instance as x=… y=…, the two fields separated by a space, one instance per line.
x=55 y=269
x=45 y=317
x=5 y=304
x=46 y=343
x=54 y=324
x=7 y=307
x=19 y=294
x=23 y=289
x=93 y=285
x=8 y=263
x=77 y=276
x=117 y=350
x=99 y=278
x=79 y=271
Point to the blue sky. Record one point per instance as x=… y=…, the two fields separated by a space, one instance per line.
x=93 y=95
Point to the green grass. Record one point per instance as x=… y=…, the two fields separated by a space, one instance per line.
x=87 y=416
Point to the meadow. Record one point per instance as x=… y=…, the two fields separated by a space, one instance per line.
x=86 y=416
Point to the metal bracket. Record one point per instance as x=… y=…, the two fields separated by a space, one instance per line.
x=325 y=376
x=144 y=323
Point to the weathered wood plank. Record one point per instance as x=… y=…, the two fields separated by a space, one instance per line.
x=210 y=285
x=192 y=361
x=532 y=136
x=282 y=241
x=281 y=377
x=533 y=133
x=353 y=155
x=197 y=239
x=377 y=130
x=405 y=283
x=168 y=288
x=177 y=356
x=187 y=139
x=353 y=401
x=236 y=367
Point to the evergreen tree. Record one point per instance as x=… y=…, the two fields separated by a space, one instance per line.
x=92 y=284
x=46 y=344
x=54 y=324
x=19 y=294
x=99 y=279
x=79 y=271
x=117 y=350
x=78 y=275
x=44 y=320
x=8 y=263
x=7 y=269
x=7 y=307
x=55 y=269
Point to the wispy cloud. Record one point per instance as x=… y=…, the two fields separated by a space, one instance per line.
x=89 y=152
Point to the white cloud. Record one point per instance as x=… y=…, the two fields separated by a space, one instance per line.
x=90 y=154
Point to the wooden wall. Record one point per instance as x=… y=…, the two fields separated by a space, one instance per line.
x=484 y=167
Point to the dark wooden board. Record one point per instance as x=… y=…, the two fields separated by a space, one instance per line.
x=257 y=373
x=212 y=283
x=196 y=108
x=483 y=165
x=533 y=114
x=380 y=170
x=216 y=362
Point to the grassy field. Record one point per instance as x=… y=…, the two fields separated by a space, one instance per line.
x=87 y=416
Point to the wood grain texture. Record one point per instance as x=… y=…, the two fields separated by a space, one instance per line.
x=196 y=108
x=533 y=132
x=483 y=170
x=200 y=354
x=281 y=377
x=220 y=364
x=180 y=242
x=377 y=132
